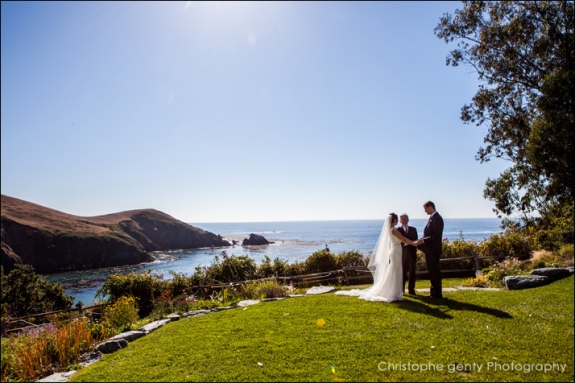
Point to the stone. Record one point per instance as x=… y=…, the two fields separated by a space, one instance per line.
x=222 y=308
x=59 y=376
x=89 y=358
x=320 y=290
x=272 y=299
x=194 y=313
x=110 y=346
x=247 y=303
x=173 y=317
x=553 y=273
x=129 y=335
x=255 y=239
x=518 y=282
x=154 y=325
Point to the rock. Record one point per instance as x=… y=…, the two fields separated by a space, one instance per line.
x=110 y=346
x=247 y=303
x=154 y=325
x=320 y=290
x=173 y=317
x=129 y=335
x=518 y=282
x=553 y=273
x=272 y=299
x=195 y=313
x=59 y=376
x=255 y=239
x=89 y=358
x=221 y=308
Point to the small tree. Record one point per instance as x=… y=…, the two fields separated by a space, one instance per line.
x=25 y=292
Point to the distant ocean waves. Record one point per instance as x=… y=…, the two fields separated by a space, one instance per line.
x=293 y=242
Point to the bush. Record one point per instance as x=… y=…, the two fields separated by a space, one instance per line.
x=320 y=261
x=269 y=268
x=41 y=350
x=230 y=269
x=24 y=292
x=509 y=266
x=144 y=287
x=122 y=314
x=348 y=259
x=565 y=254
x=479 y=281
x=513 y=243
x=262 y=290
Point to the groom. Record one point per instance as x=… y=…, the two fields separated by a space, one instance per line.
x=432 y=248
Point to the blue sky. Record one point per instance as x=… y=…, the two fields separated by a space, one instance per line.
x=223 y=112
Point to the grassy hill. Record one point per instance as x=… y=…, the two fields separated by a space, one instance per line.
x=53 y=241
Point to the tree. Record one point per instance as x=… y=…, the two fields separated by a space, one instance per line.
x=24 y=292
x=523 y=52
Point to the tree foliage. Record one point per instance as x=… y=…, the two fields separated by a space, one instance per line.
x=24 y=292
x=523 y=52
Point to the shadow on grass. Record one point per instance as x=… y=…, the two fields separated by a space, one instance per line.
x=439 y=308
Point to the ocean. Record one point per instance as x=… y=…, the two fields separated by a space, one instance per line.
x=293 y=242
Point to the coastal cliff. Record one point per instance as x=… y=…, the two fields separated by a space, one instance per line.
x=52 y=241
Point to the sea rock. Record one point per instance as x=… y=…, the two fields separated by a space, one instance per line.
x=553 y=273
x=255 y=239
x=518 y=282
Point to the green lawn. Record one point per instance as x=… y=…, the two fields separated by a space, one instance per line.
x=469 y=336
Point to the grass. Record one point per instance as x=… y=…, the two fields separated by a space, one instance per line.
x=469 y=336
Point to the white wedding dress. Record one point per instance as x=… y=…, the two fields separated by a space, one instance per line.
x=386 y=266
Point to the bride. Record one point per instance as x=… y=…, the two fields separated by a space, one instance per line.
x=386 y=266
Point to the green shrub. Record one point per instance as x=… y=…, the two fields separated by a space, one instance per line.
x=320 y=261
x=231 y=269
x=349 y=258
x=509 y=266
x=144 y=287
x=25 y=292
x=264 y=289
x=459 y=248
x=122 y=314
x=269 y=268
x=512 y=243
x=179 y=284
x=565 y=254
x=479 y=281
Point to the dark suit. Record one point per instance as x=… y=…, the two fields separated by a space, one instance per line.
x=409 y=255
x=432 y=247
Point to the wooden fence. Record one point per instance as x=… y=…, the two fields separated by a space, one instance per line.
x=24 y=323
x=361 y=274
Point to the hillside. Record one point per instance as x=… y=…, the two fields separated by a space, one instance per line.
x=53 y=241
